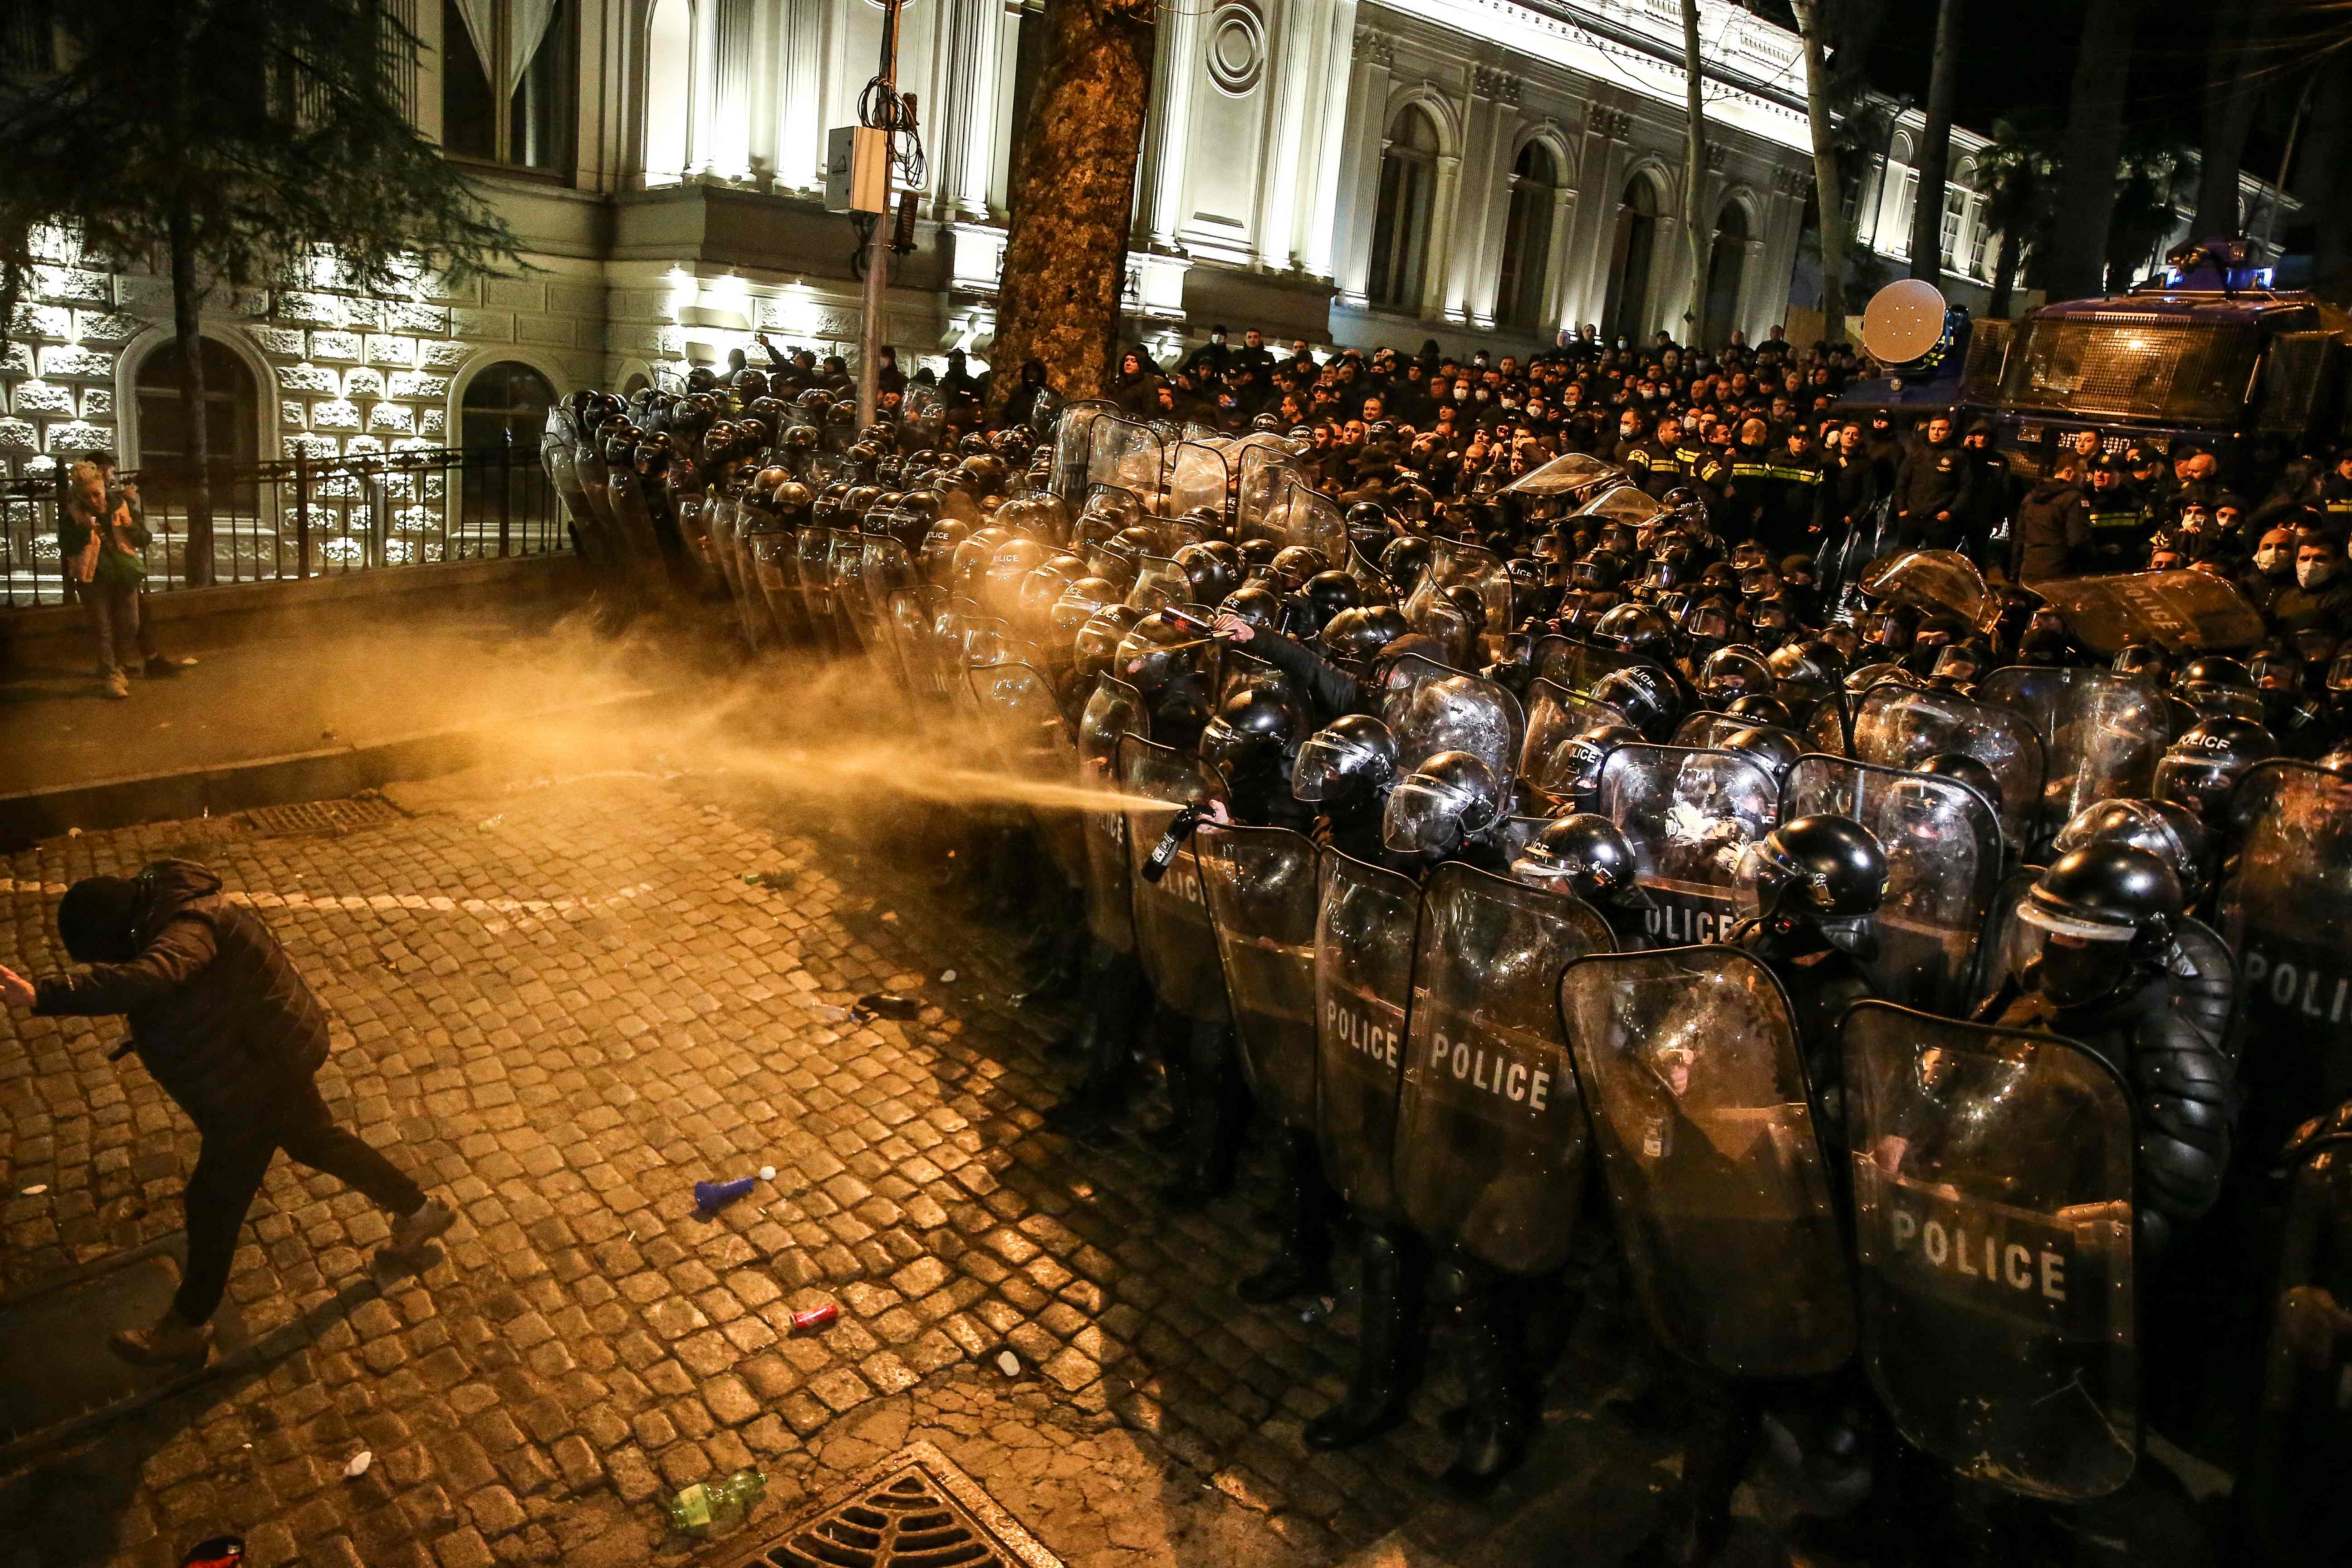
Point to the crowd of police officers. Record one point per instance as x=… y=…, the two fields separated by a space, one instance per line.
x=1941 y=1027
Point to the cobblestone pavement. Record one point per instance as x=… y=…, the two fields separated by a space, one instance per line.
x=561 y=1003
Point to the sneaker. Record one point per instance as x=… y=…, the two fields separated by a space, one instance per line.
x=170 y=1342
x=163 y=665
x=117 y=683
x=410 y=1231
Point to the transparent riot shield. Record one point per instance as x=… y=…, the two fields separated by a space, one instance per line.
x=1074 y=447
x=1200 y=475
x=559 y=448
x=2286 y=911
x=812 y=548
x=1454 y=564
x=595 y=488
x=1623 y=503
x=1829 y=729
x=2102 y=734
x=1556 y=713
x=1944 y=864
x=1490 y=1146
x=1992 y=1192
x=2185 y=612
x=1159 y=585
x=1239 y=671
x=1932 y=580
x=1363 y=978
x=1705 y=729
x=1901 y=726
x=1689 y=814
x=844 y=566
x=1690 y=1067
x=921 y=414
x=1262 y=887
x=1132 y=457
x=1573 y=475
x=626 y=503
x=1115 y=711
x=2290 y=1490
x=768 y=563
x=1575 y=666
x=1172 y=933
x=1031 y=741
x=1432 y=708
x=913 y=614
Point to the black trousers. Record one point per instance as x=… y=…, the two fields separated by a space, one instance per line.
x=231 y=1163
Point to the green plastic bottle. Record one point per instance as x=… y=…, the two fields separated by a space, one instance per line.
x=708 y=1510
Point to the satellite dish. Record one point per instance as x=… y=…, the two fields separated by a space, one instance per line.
x=1904 y=322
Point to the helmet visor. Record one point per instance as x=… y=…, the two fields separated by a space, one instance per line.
x=1326 y=769
x=1422 y=818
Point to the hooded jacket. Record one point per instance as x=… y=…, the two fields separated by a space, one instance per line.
x=217 y=1011
x=2053 y=536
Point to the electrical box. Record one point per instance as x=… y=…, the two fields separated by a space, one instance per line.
x=856 y=170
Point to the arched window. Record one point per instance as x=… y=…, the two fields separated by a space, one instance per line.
x=1627 y=311
x=669 y=57
x=1400 y=224
x=232 y=408
x=1526 y=239
x=505 y=404
x=1725 y=265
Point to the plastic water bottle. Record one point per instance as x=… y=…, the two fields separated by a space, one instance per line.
x=711 y=1509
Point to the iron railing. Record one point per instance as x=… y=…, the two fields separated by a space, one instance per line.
x=287 y=521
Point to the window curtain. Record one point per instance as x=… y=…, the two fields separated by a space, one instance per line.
x=530 y=19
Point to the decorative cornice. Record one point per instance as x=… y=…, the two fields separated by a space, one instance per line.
x=1718 y=156
x=1489 y=82
x=1375 y=46
x=1790 y=182
x=1612 y=123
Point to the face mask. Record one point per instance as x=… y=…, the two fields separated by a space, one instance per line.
x=2273 y=561
x=2312 y=573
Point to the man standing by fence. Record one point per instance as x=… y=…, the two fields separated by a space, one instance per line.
x=123 y=493
x=104 y=565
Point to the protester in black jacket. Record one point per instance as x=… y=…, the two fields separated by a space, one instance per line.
x=219 y=1015
x=1931 y=489
x=2052 y=535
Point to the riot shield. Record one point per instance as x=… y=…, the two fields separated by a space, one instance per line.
x=2286 y=911
x=1943 y=867
x=2291 y=1489
x=844 y=566
x=1172 y=934
x=1830 y=728
x=1932 y=580
x=1115 y=711
x=812 y=550
x=921 y=412
x=1159 y=585
x=1489 y=1135
x=1129 y=456
x=1431 y=708
x=1363 y=977
x=1725 y=1208
x=2185 y=612
x=1261 y=884
x=1074 y=447
x=1454 y=564
x=1901 y=726
x=558 y=446
x=1555 y=714
x=1239 y=671
x=1200 y=475
x=1031 y=741
x=1689 y=814
x=913 y=614
x=1707 y=729
x=1993 y=1190
x=1625 y=504
x=631 y=520
x=1574 y=665
x=1571 y=474
x=2103 y=733
x=768 y=554
x=595 y=488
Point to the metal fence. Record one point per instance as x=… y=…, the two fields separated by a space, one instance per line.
x=282 y=521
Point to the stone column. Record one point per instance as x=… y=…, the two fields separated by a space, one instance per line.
x=1557 y=280
x=1486 y=212
x=1293 y=28
x=1364 y=136
x=964 y=122
x=729 y=142
x=1334 y=70
x=1600 y=175
x=1176 y=74
x=800 y=101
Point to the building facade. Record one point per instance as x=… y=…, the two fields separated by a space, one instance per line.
x=1478 y=172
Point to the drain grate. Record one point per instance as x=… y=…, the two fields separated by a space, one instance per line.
x=914 y=1509
x=322 y=817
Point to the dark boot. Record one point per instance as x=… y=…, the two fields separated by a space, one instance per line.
x=1697 y=1509
x=1114 y=1002
x=1220 y=1107
x=1494 y=1424
x=1376 y=1393
x=1171 y=1038
x=1303 y=1265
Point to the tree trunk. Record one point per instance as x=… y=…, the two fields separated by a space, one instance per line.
x=1829 y=188
x=1936 y=147
x=2077 y=267
x=2322 y=181
x=2004 y=274
x=1697 y=233
x=187 y=322
x=2229 y=80
x=1072 y=198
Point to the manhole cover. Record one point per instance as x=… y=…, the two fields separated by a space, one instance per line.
x=322 y=817
x=914 y=1509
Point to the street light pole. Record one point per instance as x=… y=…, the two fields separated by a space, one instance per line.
x=878 y=107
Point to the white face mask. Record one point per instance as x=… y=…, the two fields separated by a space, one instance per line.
x=2269 y=560
x=2312 y=573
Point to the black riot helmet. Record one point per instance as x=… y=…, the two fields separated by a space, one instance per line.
x=2095 y=917
x=1255 y=734
x=1323 y=596
x=1293 y=564
x=1636 y=629
x=1731 y=673
x=1645 y=694
x=1806 y=671
x=1602 y=569
x=2171 y=833
x=1449 y=800
x=2212 y=685
x=1353 y=638
x=1403 y=561
x=1351 y=761
x=1256 y=604
x=1891 y=628
x=1961 y=767
x=1812 y=870
x=2201 y=768
x=2143 y=658
x=1774 y=751
x=1585 y=855
x=1760 y=708
x=1155 y=651
x=1367 y=517
x=1095 y=647
x=1573 y=769
x=1212 y=576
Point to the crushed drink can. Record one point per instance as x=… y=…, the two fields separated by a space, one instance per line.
x=815 y=1317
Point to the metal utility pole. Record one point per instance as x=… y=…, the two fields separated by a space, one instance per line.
x=879 y=107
